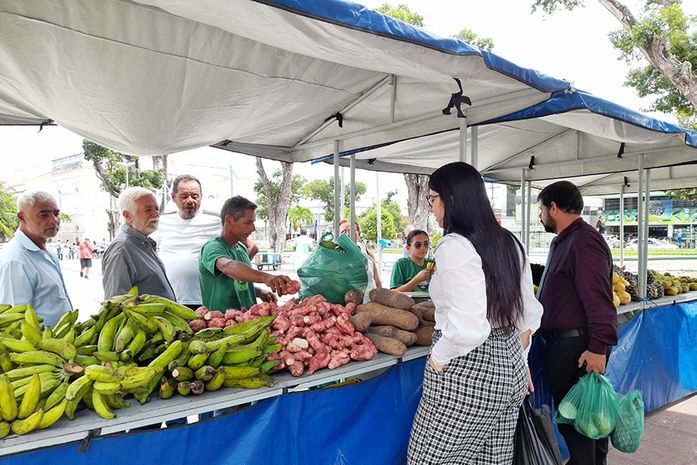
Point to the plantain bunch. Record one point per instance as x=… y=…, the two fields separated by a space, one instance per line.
x=234 y=357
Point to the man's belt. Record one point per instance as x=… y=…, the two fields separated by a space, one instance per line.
x=564 y=333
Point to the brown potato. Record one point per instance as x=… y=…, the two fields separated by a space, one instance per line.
x=383 y=315
x=391 y=298
x=387 y=344
x=406 y=337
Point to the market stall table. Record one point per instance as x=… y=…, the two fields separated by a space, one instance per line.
x=89 y=425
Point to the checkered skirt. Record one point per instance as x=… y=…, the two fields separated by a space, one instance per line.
x=468 y=412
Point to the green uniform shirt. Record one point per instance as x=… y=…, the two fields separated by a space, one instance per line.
x=219 y=291
x=404 y=271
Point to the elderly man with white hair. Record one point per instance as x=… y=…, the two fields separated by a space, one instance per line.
x=29 y=272
x=131 y=259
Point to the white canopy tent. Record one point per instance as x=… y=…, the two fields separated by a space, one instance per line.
x=279 y=79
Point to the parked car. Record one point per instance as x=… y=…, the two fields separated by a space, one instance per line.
x=653 y=244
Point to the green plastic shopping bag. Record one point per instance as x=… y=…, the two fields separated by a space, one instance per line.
x=333 y=269
x=630 y=423
x=592 y=406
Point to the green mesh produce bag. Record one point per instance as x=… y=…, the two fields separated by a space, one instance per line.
x=333 y=271
x=630 y=423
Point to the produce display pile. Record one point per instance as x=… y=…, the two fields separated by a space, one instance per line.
x=625 y=285
x=393 y=322
x=134 y=346
x=138 y=345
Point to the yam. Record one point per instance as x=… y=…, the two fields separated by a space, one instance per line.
x=424 y=336
x=361 y=321
x=427 y=310
x=391 y=298
x=387 y=344
x=353 y=295
x=384 y=315
x=406 y=337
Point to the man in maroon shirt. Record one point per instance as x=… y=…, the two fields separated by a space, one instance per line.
x=579 y=323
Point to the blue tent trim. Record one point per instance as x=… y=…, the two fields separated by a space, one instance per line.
x=566 y=101
x=358 y=17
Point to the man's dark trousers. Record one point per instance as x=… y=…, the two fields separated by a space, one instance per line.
x=561 y=371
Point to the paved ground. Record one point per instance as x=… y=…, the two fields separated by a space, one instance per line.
x=670 y=437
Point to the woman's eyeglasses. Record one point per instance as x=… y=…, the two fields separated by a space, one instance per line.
x=417 y=245
x=429 y=199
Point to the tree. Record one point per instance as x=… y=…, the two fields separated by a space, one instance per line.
x=300 y=216
x=401 y=12
x=323 y=190
x=277 y=197
x=682 y=194
x=112 y=168
x=400 y=221
x=8 y=214
x=369 y=225
x=417 y=206
x=666 y=38
x=296 y=192
x=470 y=37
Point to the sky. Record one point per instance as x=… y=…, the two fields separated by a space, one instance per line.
x=569 y=45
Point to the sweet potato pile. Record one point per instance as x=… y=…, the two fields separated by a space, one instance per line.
x=316 y=334
x=393 y=322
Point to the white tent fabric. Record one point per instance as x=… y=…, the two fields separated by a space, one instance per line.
x=576 y=135
x=257 y=77
x=668 y=177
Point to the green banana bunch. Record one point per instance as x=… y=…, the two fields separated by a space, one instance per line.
x=58 y=346
x=216 y=382
x=30 y=401
x=8 y=402
x=172 y=307
x=38 y=357
x=105 y=342
x=53 y=414
x=254 y=382
x=28 y=424
x=66 y=323
x=100 y=405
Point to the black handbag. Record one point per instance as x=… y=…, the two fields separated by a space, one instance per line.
x=535 y=442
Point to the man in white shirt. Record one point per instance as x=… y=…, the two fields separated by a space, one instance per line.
x=181 y=235
x=29 y=273
x=303 y=243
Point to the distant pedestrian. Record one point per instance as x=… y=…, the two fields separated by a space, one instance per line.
x=85 y=253
x=59 y=251
x=600 y=225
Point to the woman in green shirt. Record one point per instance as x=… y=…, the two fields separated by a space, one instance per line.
x=412 y=273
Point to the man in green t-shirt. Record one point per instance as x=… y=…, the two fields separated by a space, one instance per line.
x=226 y=275
x=412 y=273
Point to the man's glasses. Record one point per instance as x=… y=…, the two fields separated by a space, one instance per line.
x=429 y=199
x=417 y=245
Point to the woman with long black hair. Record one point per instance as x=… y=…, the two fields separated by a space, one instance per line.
x=475 y=377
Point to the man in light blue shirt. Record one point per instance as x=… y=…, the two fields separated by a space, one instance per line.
x=29 y=273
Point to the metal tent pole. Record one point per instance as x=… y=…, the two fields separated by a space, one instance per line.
x=378 y=204
x=463 y=139
x=522 y=208
x=647 y=207
x=352 y=191
x=640 y=230
x=622 y=225
x=475 y=146
x=528 y=196
x=337 y=189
